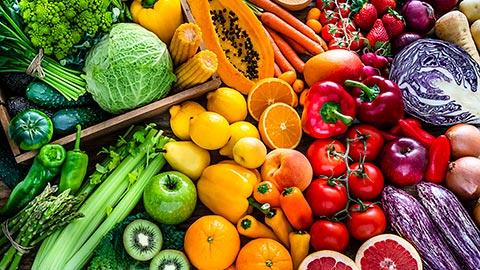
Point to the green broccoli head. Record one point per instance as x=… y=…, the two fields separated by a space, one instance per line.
x=56 y=26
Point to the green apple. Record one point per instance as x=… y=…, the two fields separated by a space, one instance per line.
x=170 y=197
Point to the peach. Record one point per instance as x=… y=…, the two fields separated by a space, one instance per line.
x=286 y=168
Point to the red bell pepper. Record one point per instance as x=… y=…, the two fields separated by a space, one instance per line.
x=328 y=110
x=378 y=101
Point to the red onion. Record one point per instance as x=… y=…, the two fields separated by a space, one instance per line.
x=419 y=16
x=442 y=6
x=403 y=40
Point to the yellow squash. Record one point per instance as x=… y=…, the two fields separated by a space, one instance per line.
x=225 y=187
x=233 y=32
x=161 y=17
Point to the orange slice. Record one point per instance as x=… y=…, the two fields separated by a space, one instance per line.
x=280 y=126
x=266 y=92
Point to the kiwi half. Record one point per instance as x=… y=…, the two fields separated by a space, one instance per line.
x=170 y=259
x=142 y=239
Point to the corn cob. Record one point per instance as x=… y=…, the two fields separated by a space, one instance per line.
x=185 y=43
x=196 y=70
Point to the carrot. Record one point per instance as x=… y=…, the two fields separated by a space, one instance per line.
x=453 y=27
x=296 y=208
x=287 y=51
x=289 y=18
x=280 y=59
x=295 y=46
x=276 y=23
x=267 y=192
x=276 y=70
x=250 y=227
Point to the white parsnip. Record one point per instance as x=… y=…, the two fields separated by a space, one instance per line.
x=453 y=27
x=471 y=9
x=475 y=30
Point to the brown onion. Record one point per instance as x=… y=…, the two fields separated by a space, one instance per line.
x=463 y=177
x=464 y=140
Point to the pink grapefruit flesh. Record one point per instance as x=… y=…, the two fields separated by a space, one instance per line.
x=327 y=260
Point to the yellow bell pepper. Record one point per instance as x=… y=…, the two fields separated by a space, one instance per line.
x=224 y=188
x=161 y=17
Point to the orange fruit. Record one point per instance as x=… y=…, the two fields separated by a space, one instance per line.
x=264 y=254
x=266 y=92
x=335 y=65
x=212 y=242
x=280 y=126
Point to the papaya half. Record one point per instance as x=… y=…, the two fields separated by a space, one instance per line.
x=233 y=32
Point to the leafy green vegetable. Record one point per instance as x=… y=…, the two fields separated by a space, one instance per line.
x=128 y=68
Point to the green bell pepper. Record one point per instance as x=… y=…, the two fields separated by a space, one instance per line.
x=30 y=129
x=45 y=167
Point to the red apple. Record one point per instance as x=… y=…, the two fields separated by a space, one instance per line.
x=404 y=161
x=287 y=168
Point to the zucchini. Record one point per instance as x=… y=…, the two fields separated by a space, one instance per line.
x=410 y=220
x=66 y=120
x=44 y=95
x=453 y=221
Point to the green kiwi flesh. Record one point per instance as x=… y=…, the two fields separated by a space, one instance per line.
x=142 y=239
x=170 y=259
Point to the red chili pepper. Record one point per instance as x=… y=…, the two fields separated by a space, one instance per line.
x=387 y=136
x=397 y=130
x=438 y=159
x=416 y=133
x=328 y=110
x=378 y=101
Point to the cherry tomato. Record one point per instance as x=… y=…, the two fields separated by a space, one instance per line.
x=337 y=43
x=356 y=40
x=326 y=199
x=343 y=9
x=330 y=31
x=365 y=223
x=374 y=142
x=326 y=234
x=346 y=25
x=325 y=156
x=365 y=182
x=328 y=16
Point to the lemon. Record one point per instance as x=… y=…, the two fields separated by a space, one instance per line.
x=228 y=102
x=180 y=116
x=239 y=130
x=209 y=130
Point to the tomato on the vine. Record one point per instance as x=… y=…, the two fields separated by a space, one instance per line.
x=330 y=31
x=337 y=43
x=365 y=223
x=360 y=134
x=326 y=234
x=326 y=198
x=326 y=157
x=343 y=9
x=356 y=40
x=365 y=181
x=328 y=16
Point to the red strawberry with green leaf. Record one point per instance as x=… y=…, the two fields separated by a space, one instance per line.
x=393 y=23
x=378 y=34
x=365 y=16
x=381 y=5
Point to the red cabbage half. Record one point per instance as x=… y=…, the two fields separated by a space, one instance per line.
x=439 y=82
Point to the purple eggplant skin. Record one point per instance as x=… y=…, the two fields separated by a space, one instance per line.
x=410 y=220
x=453 y=222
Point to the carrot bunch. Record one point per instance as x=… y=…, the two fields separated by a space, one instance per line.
x=290 y=37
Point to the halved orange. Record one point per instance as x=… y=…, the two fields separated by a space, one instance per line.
x=268 y=91
x=280 y=126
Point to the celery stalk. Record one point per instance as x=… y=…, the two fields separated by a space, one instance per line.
x=95 y=207
x=120 y=212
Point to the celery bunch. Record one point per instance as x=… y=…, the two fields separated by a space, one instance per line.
x=109 y=203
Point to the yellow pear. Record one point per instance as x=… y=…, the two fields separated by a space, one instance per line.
x=180 y=116
x=187 y=157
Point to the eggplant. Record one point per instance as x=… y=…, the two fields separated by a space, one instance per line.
x=410 y=220
x=453 y=221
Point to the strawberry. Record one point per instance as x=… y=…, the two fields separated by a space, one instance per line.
x=377 y=34
x=393 y=22
x=366 y=16
x=381 y=5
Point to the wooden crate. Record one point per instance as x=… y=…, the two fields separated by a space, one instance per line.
x=123 y=120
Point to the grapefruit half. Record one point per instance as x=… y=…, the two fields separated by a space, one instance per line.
x=327 y=260
x=388 y=252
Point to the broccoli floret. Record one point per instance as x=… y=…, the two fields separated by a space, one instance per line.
x=56 y=26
